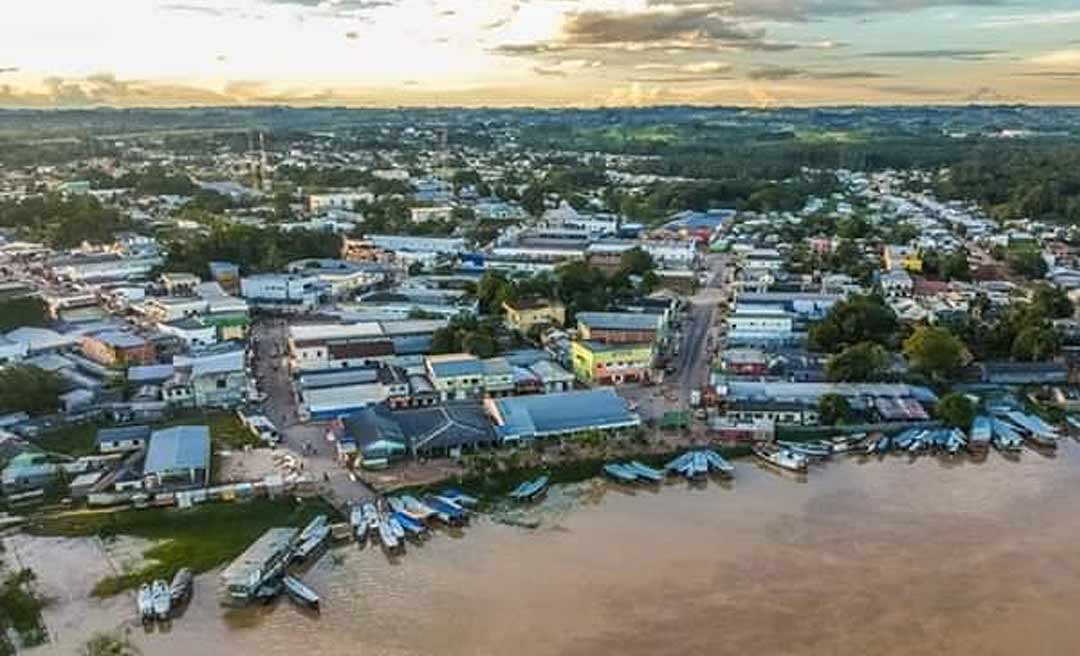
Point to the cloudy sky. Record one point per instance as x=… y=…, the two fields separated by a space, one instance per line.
x=537 y=52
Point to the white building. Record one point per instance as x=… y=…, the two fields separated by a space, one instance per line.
x=425 y=214
x=281 y=292
x=672 y=254
x=759 y=325
x=338 y=201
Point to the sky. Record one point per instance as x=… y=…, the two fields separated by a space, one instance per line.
x=384 y=53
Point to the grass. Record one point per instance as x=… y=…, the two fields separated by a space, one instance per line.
x=200 y=538
x=74 y=440
x=20 y=610
x=226 y=431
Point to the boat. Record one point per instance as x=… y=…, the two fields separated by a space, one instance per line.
x=182 y=584
x=529 y=490
x=416 y=508
x=678 y=463
x=312 y=543
x=1034 y=429
x=162 y=599
x=445 y=513
x=451 y=502
x=269 y=590
x=371 y=514
x=412 y=526
x=808 y=449
x=645 y=471
x=620 y=473
x=701 y=464
x=396 y=527
x=396 y=504
x=387 y=535
x=780 y=457
x=980 y=434
x=315 y=526
x=144 y=601
x=459 y=497
x=718 y=463
x=300 y=593
x=356 y=516
x=1004 y=437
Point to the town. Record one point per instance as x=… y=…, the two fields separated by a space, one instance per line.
x=356 y=317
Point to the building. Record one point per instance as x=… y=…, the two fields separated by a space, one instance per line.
x=425 y=214
x=903 y=258
x=103 y=268
x=194 y=333
x=179 y=284
x=620 y=327
x=227 y=275
x=212 y=380
x=759 y=325
x=122 y=439
x=178 y=456
x=334 y=393
x=382 y=435
x=597 y=363
x=28 y=471
x=346 y=200
x=344 y=346
x=281 y=292
x=526 y=314
x=897 y=284
x=523 y=418
x=460 y=376
x=744 y=362
x=113 y=347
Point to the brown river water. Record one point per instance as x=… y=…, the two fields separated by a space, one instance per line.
x=862 y=556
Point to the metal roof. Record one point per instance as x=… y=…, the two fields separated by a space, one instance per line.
x=455 y=368
x=122 y=434
x=619 y=320
x=180 y=447
x=568 y=412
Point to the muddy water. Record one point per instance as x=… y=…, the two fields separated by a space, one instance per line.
x=864 y=556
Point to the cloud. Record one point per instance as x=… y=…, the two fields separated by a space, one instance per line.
x=8 y=69
x=1063 y=17
x=705 y=67
x=193 y=9
x=945 y=53
x=352 y=35
x=778 y=73
x=810 y=10
x=914 y=90
x=774 y=73
x=1068 y=57
x=704 y=28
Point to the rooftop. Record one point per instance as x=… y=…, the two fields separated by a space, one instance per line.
x=618 y=320
x=525 y=417
x=177 y=448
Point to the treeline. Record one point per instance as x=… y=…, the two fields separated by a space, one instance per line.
x=255 y=250
x=63 y=222
x=1019 y=182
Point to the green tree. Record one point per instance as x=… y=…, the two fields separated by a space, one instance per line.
x=492 y=290
x=935 y=352
x=955 y=410
x=1026 y=261
x=852 y=321
x=30 y=389
x=862 y=362
x=1052 y=302
x=636 y=262
x=834 y=409
x=1035 y=343
x=26 y=311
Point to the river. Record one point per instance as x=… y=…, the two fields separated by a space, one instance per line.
x=862 y=556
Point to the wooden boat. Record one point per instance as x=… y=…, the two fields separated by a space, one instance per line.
x=620 y=473
x=162 y=599
x=1005 y=437
x=396 y=527
x=680 y=462
x=459 y=497
x=144 y=602
x=780 y=457
x=808 y=449
x=181 y=586
x=300 y=593
x=416 y=508
x=529 y=490
x=412 y=526
x=979 y=435
x=315 y=526
x=312 y=543
x=387 y=535
x=445 y=513
x=719 y=464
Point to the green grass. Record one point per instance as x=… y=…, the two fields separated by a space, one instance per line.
x=75 y=440
x=200 y=538
x=226 y=431
x=20 y=609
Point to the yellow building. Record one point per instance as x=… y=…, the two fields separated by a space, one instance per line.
x=903 y=257
x=611 y=364
x=523 y=315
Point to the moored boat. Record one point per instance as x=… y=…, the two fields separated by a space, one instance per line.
x=530 y=490
x=181 y=586
x=644 y=471
x=718 y=464
x=144 y=601
x=300 y=593
x=620 y=473
x=387 y=535
x=162 y=599
x=781 y=457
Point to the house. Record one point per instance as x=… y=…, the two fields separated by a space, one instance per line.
x=559 y=415
x=194 y=333
x=281 y=292
x=620 y=327
x=381 y=434
x=121 y=439
x=897 y=284
x=744 y=362
x=598 y=363
x=114 y=347
x=460 y=376
x=1024 y=373
x=525 y=314
x=28 y=471
x=178 y=457
x=425 y=214
x=903 y=258
x=754 y=325
x=213 y=380
x=180 y=284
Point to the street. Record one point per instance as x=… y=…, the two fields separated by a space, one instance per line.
x=694 y=361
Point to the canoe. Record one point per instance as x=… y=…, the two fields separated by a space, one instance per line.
x=181 y=585
x=388 y=535
x=781 y=458
x=459 y=497
x=718 y=464
x=530 y=489
x=300 y=593
x=162 y=599
x=417 y=508
x=311 y=544
x=315 y=526
x=144 y=602
x=645 y=471
x=412 y=526
x=620 y=473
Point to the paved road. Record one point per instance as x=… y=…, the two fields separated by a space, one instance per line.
x=308 y=439
x=694 y=358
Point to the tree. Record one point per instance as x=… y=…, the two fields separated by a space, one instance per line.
x=862 y=362
x=492 y=290
x=636 y=262
x=1052 y=302
x=955 y=410
x=857 y=319
x=26 y=311
x=935 y=352
x=30 y=389
x=1026 y=261
x=1036 y=343
x=955 y=266
x=833 y=409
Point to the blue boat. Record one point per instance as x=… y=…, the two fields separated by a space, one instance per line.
x=445 y=511
x=645 y=471
x=718 y=463
x=459 y=497
x=620 y=473
x=410 y=525
x=680 y=462
x=530 y=489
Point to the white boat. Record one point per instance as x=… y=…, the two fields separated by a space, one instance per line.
x=389 y=538
x=300 y=593
x=417 y=508
x=144 y=601
x=783 y=458
x=372 y=517
x=396 y=527
x=162 y=599
x=312 y=543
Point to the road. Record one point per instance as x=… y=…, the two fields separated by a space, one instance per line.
x=694 y=361
x=269 y=346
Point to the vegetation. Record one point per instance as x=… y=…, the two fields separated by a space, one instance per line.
x=469 y=335
x=109 y=644
x=955 y=410
x=863 y=362
x=1026 y=261
x=834 y=409
x=74 y=440
x=256 y=250
x=856 y=320
x=63 y=222
x=30 y=389
x=226 y=431
x=935 y=352
x=25 y=311
x=200 y=538
x=20 y=611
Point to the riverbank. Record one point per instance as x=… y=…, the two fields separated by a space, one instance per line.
x=200 y=538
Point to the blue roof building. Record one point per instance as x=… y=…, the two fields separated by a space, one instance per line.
x=554 y=415
x=178 y=455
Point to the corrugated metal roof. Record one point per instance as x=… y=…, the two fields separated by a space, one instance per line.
x=568 y=412
x=619 y=320
x=180 y=447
